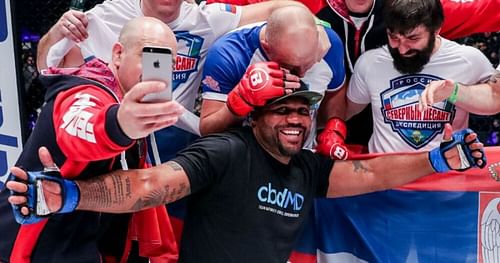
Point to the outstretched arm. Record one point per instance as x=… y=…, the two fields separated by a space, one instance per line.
x=363 y=176
x=116 y=192
x=134 y=190
x=483 y=99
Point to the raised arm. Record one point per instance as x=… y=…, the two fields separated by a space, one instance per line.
x=216 y=117
x=72 y=25
x=260 y=11
x=363 y=176
x=261 y=82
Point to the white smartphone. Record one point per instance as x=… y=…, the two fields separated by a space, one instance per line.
x=157 y=65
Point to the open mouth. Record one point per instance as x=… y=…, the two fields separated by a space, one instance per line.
x=292 y=135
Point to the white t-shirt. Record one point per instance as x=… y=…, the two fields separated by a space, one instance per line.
x=398 y=124
x=196 y=28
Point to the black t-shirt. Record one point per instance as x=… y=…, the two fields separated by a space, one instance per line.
x=245 y=205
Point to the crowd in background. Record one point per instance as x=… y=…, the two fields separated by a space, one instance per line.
x=488 y=127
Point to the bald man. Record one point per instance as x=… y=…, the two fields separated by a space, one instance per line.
x=93 y=122
x=292 y=39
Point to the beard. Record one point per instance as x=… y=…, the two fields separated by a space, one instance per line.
x=415 y=63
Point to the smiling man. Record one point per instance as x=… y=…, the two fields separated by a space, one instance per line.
x=251 y=188
x=392 y=77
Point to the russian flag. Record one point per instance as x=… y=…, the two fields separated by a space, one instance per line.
x=452 y=217
x=228 y=8
x=387 y=104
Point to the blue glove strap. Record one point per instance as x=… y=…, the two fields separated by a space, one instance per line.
x=70 y=196
x=438 y=161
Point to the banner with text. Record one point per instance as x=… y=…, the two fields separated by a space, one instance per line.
x=10 y=125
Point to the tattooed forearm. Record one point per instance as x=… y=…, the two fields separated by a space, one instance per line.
x=133 y=190
x=119 y=189
x=176 y=193
x=151 y=200
x=175 y=166
x=358 y=167
x=98 y=194
x=161 y=196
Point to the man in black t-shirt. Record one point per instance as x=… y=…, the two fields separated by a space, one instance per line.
x=251 y=188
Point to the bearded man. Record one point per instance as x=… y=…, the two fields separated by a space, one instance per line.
x=393 y=76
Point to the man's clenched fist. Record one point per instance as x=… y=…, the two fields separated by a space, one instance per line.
x=331 y=140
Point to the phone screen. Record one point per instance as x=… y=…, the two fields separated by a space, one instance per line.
x=157 y=65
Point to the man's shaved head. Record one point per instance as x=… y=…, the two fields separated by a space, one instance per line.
x=291 y=38
x=127 y=52
x=147 y=31
x=291 y=22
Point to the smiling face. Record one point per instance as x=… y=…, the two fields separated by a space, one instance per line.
x=413 y=50
x=283 y=127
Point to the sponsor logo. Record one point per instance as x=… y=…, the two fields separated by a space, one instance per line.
x=488 y=241
x=284 y=199
x=3 y=22
x=400 y=110
x=188 y=57
x=211 y=83
x=5 y=140
x=76 y=121
x=258 y=79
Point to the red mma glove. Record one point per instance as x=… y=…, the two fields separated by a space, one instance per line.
x=261 y=82
x=331 y=140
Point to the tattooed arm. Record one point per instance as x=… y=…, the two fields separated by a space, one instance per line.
x=133 y=190
x=389 y=171
x=364 y=176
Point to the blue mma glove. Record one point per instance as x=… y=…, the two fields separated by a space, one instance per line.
x=438 y=161
x=70 y=195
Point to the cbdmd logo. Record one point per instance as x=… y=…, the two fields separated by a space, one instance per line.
x=283 y=199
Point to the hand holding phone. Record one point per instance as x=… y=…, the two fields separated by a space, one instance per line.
x=157 y=65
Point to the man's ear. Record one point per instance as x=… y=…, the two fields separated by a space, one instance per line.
x=265 y=45
x=437 y=32
x=116 y=55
